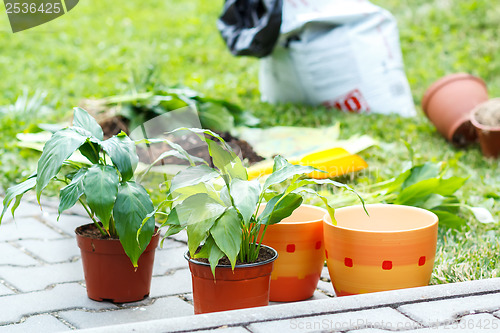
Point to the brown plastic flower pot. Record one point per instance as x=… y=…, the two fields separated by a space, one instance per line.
x=245 y=287
x=109 y=274
x=448 y=104
x=489 y=136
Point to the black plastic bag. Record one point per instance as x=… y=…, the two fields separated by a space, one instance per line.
x=250 y=27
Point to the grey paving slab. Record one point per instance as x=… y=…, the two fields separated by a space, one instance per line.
x=325 y=274
x=331 y=306
x=326 y=287
x=177 y=283
x=25 y=209
x=35 y=278
x=169 y=243
x=67 y=223
x=36 y=324
x=483 y=322
x=54 y=250
x=169 y=259
x=161 y=308
x=9 y=255
x=26 y=228
x=181 y=236
x=375 y=318
x=5 y=291
x=61 y=297
x=445 y=311
x=224 y=329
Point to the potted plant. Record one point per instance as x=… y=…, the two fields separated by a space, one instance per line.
x=486 y=120
x=219 y=207
x=117 y=248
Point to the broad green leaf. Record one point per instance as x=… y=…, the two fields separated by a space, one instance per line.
x=215 y=117
x=199 y=212
x=285 y=171
x=330 y=209
x=421 y=172
x=449 y=220
x=227 y=234
x=193 y=176
x=82 y=119
x=132 y=206
x=101 y=187
x=482 y=215
x=279 y=163
x=279 y=207
x=416 y=193
x=91 y=151
x=176 y=154
x=450 y=185
x=70 y=194
x=226 y=161
x=433 y=201
x=245 y=196
x=60 y=146
x=122 y=152
x=16 y=192
x=210 y=251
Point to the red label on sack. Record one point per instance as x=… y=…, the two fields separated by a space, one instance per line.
x=353 y=101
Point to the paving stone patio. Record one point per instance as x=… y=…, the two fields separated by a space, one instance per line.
x=42 y=290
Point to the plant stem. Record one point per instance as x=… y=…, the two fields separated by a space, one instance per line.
x=96 y=223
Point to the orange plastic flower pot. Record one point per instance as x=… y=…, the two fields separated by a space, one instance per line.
x=393 y=248
x=299 y=242
x=109 y=274
x=245 y=287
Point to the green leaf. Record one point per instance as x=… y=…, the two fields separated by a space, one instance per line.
x=101 y=187
x=122 y=152
x=245 y=196
x=279 y=207
x=450 y=185
x=82 y=119
x=417 y=193
x=482 y=215
x=211 y=251
x=227 y=234
x=421 y=172
x=70 y=194
x=193 y=176
x=60 y=146
x=449 y=220
x=226 y=161
x=215 y=117
x=16 y=192
x=285 y=171
x=132 y=206
x=199 y=212
x=91 y=151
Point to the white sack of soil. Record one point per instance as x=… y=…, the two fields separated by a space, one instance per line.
x=343 y=54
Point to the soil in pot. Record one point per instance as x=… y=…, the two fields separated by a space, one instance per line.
x=488 y=114
x=486 y=120
x=109 y=274
x=245 y=287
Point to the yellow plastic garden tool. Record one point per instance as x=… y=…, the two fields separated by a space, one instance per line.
x=335 y=161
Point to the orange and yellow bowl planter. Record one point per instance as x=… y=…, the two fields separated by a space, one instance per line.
x=299 y=242
x=392 y=248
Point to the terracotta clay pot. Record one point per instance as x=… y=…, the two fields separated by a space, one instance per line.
x=109 y=274
x=392 y=248
x=245 y=287
x=489 y=136
x=299 y=242
x=448 y=103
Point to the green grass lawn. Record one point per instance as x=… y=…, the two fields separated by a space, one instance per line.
x=96 y=49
